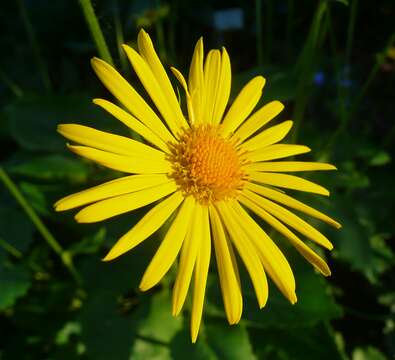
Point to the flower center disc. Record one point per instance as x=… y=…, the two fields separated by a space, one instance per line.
x=205 y=165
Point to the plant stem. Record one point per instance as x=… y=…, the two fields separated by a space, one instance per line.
x=119 y=37
x=305 y=64
x=95 y=30
x=15 y=89
x=259 y=31
x=42 y=68
x=10 y=249
x=41 y=228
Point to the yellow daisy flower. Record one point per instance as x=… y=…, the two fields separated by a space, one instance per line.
x=207 y=172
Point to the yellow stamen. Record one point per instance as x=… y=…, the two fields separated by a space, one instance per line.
x=206 y=165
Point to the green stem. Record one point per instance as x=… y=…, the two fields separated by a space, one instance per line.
x=119 y=38
x=15 y=89
x=41 y=228
x=305 y=64
x=259 y=31
x=95 y=30
x=34 y=45
x=10 y=249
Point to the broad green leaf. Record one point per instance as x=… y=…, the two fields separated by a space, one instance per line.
x=315 y=303
x=33 y=120
x=53 y=167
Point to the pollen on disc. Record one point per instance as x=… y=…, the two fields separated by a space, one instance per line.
x=206 y=165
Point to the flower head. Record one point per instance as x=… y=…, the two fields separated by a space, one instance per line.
x=210 y=169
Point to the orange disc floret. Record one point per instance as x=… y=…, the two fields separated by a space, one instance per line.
x=206 y=165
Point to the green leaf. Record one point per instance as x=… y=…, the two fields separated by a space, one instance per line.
x=315 y=303
x=229 y=342
x=53 y=167
x=316 y=342
x=368 y=353
x=33 y=119
x=14 y=283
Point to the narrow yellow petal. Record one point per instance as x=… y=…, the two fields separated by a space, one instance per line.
x=147 y=51
x=258 y=119
x=299 y=245
x=196 y=80
x=276 y=151
x=132 y=123
x=268 y=137
x=288 y=166
x=288 y=182
x=109 y=142
x=242 y=106
x=246 y=250
x=289 y=218
x=146 y=226
x=271 y=256
x=224 y=85
x=183 y=83
x=170 y=246
x=291 y=202
x=147 y=78
x=123 y=185
x=187 y=259
x=227 y=270
x=212 y=68
x=129 y=97
x=201 y=272
x=124 y=203
x=130 y=164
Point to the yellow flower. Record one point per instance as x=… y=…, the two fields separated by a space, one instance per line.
x=210 y=171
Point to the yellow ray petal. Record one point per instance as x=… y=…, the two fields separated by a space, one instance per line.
x=289 y=218
x=173 y=119
x=147 y=51
x=133 y=123
x=170 y=246
x=146 y=226
x=227 y=270
x=299 y=245
x=183 y=83
x=224 y=85
x=288 y=182
x=196 y=81
x=247 y=252
x=276 y=151
x=123 y=185
x=124 y=203
x=288 y=166
x=109 y=142
x=130 y=164
x=243 y=105
x=291 y=202
x=268 y=137
x=125 y=93
x=212 y=70
x=271 y=256
x=187 y=259
x=258 y=119
x=201 y=272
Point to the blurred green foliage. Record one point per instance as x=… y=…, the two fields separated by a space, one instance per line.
x=330 y=62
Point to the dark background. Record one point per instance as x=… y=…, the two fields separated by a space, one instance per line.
x=332 y=63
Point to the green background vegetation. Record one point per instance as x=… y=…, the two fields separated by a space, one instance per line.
x=332 y=65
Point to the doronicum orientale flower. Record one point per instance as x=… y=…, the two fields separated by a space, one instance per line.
x=207 y=172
